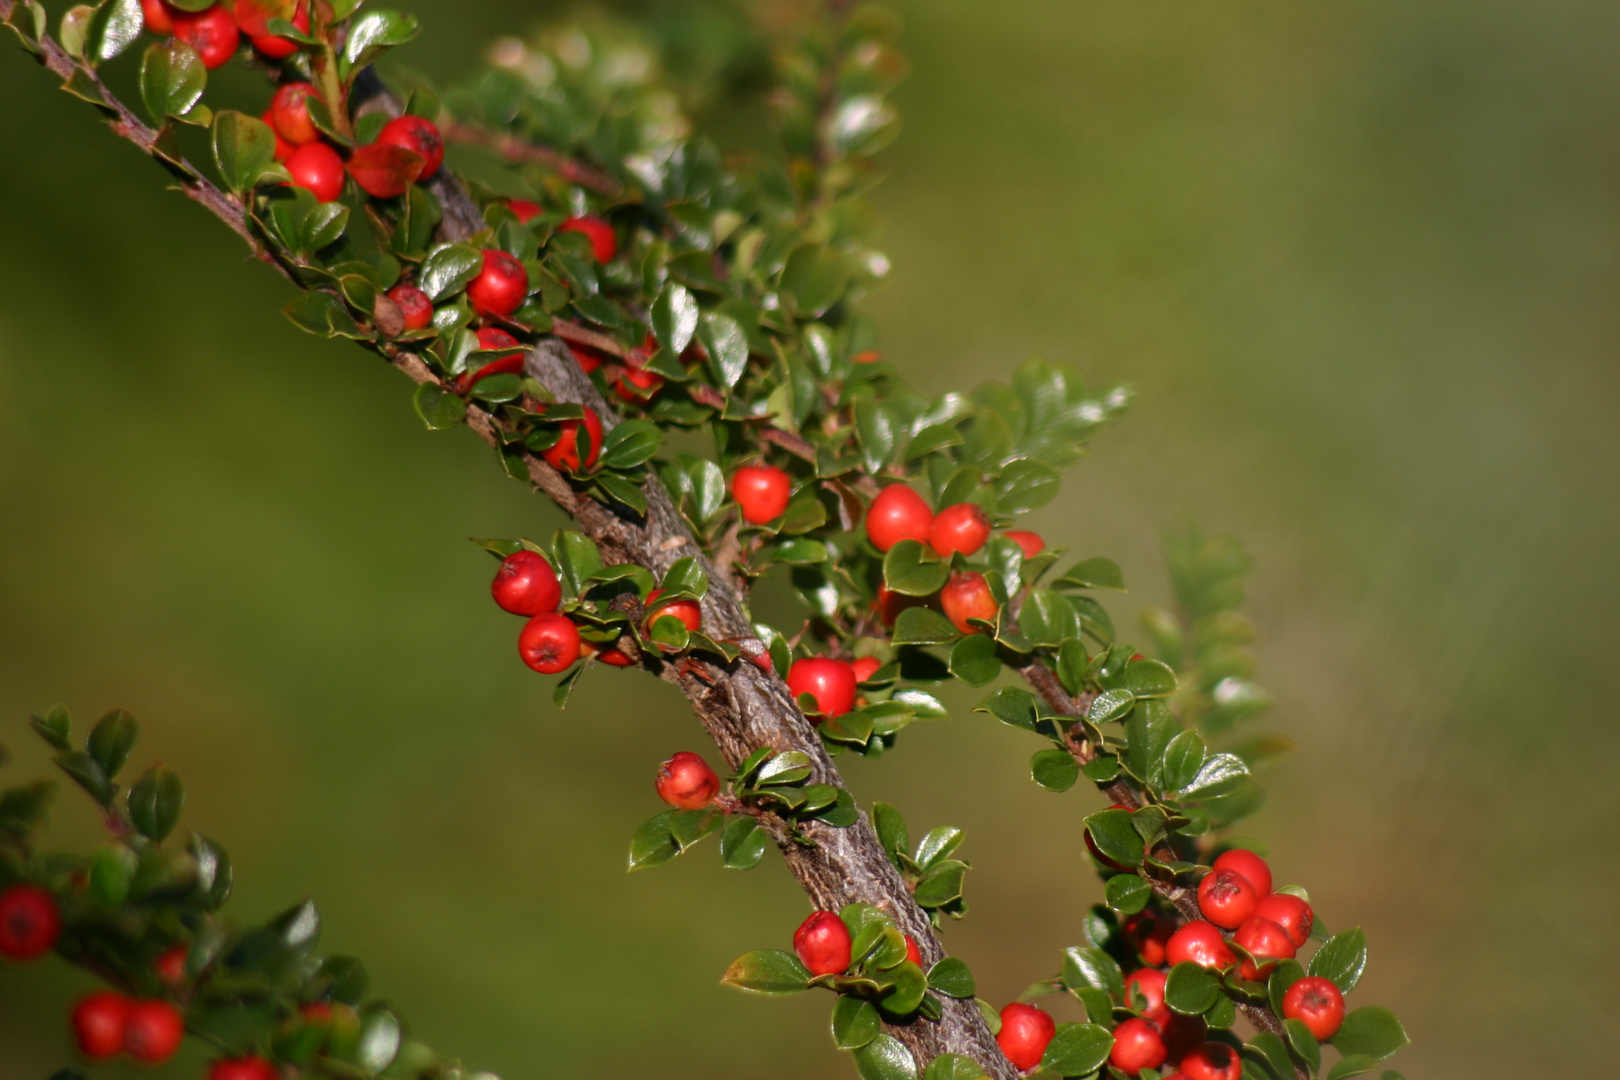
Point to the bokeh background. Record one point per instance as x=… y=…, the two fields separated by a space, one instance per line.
x=1357 y=258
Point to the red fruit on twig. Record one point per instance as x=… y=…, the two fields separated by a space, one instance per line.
x=29 y=922
x=564 y=454
x=1030 y=543
x=762 y=492
x=604 y=245
x=1138 y=1045
x=1202 y=943
x=968 y=596
x=1250 y=865
x=549 y=643
x=383 y=171
x=318 y=169
x=1149 y=984
x=526 y=584
x=98 y=1024
x=414 y=305
x=153 y=1031
x=686 y=782
x=961 y=528
x=289 y=113
x=500 y=287
x=1226 y=898
x=1265 y=941
x=831 y=682
x=420 y=136
x=1317 y=1003
x=822 y=942
x=1025 y=1032
x=211 y=33
x=898 y=513
x=1289 y=912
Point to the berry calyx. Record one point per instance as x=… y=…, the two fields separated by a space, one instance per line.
x=1138 y=1045
x=1226 y=898
x=525 y=210
x=1149 y=932
x=913 y=953
x=898 y=513
x=686 y=782
x=414 y=305
x=1030 y=543
x=1149 y=984
x=526 y=584
x=963 y=527
x=153 y=1030
x=317 y=169
x=98 y=1024
x=1211 y=1061
x=1317 y=1003
x=549 y=643
x=822 y=942
x=29 y=922
x=687 y=611
x=1025 y=1032
x=289 y=113
x=968 y=596
x=171 y=965
x=830 y=682
x=420 y=136
x=865 y=667
x=245 y=1068
x=563 y=455
x=1250 y=865
x=158 y=17
x=500 y=287
x=1202 y=943
x=604 y=245
x=1289 y=912
x=211 y=33
x=1265 y=941
x=254 y=21
x=762 y=492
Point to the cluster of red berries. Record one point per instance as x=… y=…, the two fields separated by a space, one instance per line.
x=106 y=1024
x=823 y=944
x=215 y=33
x=407 y=149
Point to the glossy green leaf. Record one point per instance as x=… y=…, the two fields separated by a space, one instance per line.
x=244 y=147
x=1115 y=836
x=771 y=972
x=630 y=444
x=911 y=569
x=112 y=869
x=1027 y=485
x=787 y=767
x=1084 y=967
x=576 y=559
x=155 y=802
x=1304 y=1044
x=324 y=314
x=1048 y=618
x=1077 y=1049
x=1111 y=705
x=742 y=844
x=674 y=318
x=941 y=885
x=1127 y=893
x=1098 y=573
x=1149 y=678
x=1054 y=769
x=1182 y=760
x=111 y=741
x=1351 y=1065
x=438 y=409
x=1274 y=1053
x=1012 y=705
x=923 y=626
x=324 y=225
x=380 y=1036
x=1341 y=959
x=54 y=727
x=975 y=658
x=374 y=33
x=1370 y=1031
x=652 y=844
x=953 y=1067
x=909 y=984
x=1190 y=990
x=938 y=844
x=814 y=277
x=855 y=1022
x=952 y=977
x=172 y=79
x=112 y=28
x=448 y=270
x=885 y=1058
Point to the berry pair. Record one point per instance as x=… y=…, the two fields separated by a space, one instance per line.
x=527 y=585
x=823 y=944
x=106 y=1024
x=899 y=513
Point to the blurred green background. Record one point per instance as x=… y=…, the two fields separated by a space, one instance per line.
x=1358 y=259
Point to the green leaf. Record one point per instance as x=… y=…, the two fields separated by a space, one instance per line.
x=214 y=874
x=953 y=1067
x=374 y=33
x=910 y=985
x=1275 y=1054
x=674 y=318
x=1341 y=959
x=1190 y=990
x=155 y=802
x=1077 y=1049
x=1304 y=1044
x=1371 y=1031
x=1026 y=485
x=1287 y=973
x=923 y=626
x=975 y=658
x=767 y=971
x=1094 y=968
x=652 y=844
x=54 y=727
x=115 y=24
x=1353 y=1065
x=912 y=570
x=112 y=868
x=891 y=830
x=787 y=767
x=111 y=741
x=1111 y=705
x=1098 y=573
x=1115 y=836
x=1102 y=769
x=448 y=270
x=324 y=225
x=726 y=342
x=1054 y=769
x=876 y=430
x=686 y=576
x=941 y=885
x=1149 y=678
x=322 y=313
x=1048 y=618
x=687 y=827
x=885 y=1058
x=938 y=844
x=576 y=560
x=172 y=79
x=380 y=1037
x=244 y=147
x=1128 y=894
x=814 y=277
x=855 y=1022
x=626 y=493
x=88 y=774
x=1012 y=705
x=1182 y=760
x=742 y=844
x=952 y=977
x=438 y=410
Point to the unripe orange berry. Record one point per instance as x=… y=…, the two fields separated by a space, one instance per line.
x=968 y=596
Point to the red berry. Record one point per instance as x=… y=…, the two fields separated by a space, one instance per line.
x=1265 y=941
x=289 y=113
x=171 y=965
x=29 y=922
x=549 y=643
x=637 y=385
x=1029 y=543
x=212 y=33
x=159 y=17
x=890 y=604
x=153 y=1030
x=963 y=527
x=383 y=171
x=822 y=942
x=607 y=654
x=687 y=611
x=98 y=1024
x=247 y=1068
x=284 y=149
x=1137 y=1046
x=686 y=782
x=525 y=210
x=831 y=682
x=254 y=20
x=588 y=360
x=414 y=305
x=317 y=168
x=1149 y=931
x=898 y=513
x=418 y=135
x=1025 y=1032
x=1226 y=898
x=967 y=596
x=762 y=492
x=490 y=338
x=1212 y=1061
x=526 y=584
x=865 y=667
x=1317 y=1003
x=603 y=243
x=499 y=289
x=1201 y=943
x=1249 y=865
x=913 y=953
x=1289 y=912
x=564 y=454
x=1149 y=983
